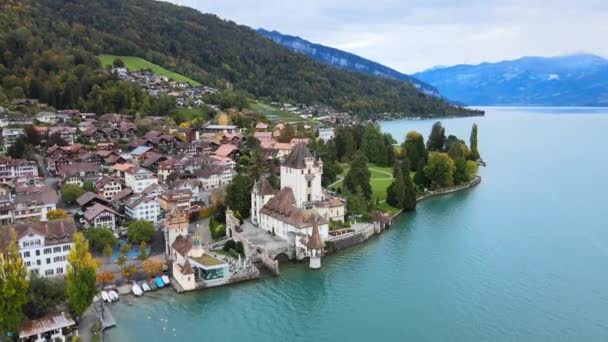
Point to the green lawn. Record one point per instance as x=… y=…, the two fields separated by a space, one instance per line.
x=276 y=115
x=208 y=260
x=190 y=113
x=137 y=63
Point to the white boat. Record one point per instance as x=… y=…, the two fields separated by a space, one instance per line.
x=113 y=296
x=145 y=287
x=105 y=296
x=136 y=290
x=166 y=280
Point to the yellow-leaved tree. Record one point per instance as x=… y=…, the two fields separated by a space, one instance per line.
x=13 y=285
x=80 y=281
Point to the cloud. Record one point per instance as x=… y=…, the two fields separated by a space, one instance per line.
x=414 y=35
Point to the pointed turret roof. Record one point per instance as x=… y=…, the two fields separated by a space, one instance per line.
x=295 y=159
x=187 y=269
x=264 y=188
x=314 y=242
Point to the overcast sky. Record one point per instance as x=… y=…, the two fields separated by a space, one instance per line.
x=411 y=36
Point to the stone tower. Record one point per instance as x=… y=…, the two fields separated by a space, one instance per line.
x=197 y=250
x=302 y=172
x=315 y=247
x=176 y=224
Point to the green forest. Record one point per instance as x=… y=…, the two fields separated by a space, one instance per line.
x=50 y=47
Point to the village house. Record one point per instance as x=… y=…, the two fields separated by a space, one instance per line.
x=47 y=117
x=99 y=215
x=33 y=203
x=67 y=134
x=77 y=173
x=193 y=185
x=43 y=246
x=107 y=187
x=10 y=136
x=179 y=198
x=167 y=167
x=214 y=176
x=142 y=207
x=49 y=327
x=230 y=129
x=138 y=178
x=11 y=169
x=89 y=199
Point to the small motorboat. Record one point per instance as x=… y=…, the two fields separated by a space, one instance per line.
x=152 y=285
x=159 y=282
x=105 y=296
x=113 y=296
x=145 y=287
x=166 y=280
x=137 y=291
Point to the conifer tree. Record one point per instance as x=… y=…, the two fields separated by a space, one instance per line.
x=409 y=196
x=395 y=194
x=473 y=143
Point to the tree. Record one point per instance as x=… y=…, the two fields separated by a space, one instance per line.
x=118 y=63
x=440 y=170
x=101 y=237
x=143 y=254
x=409 y=197
x=71 y=192
x=121 y=260
x=80 y=280
x=414 y=149
x=140 y=230
x=56 y=214
x=32 y=135
x=395 y=193
x=55 y=139
x=287 y=133
x=104 y=277
x=460 y=172
x=18 y=148
x=471 y=169
x=13 y=286
x=420 y=178
x=107 y=251
x=358 y=176
x=238 y=194
x=473 y=143
x=356 y=203
x=458 y=150
x=152 y=267
x=127 y=271
x=436 y=140
x=88 y=186
x=44 y=294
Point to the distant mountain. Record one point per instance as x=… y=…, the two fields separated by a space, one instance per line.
x=344 y=60
x=573 y=80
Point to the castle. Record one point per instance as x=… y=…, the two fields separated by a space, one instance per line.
x=300 y=212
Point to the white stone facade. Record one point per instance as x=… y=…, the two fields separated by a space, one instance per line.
x=45 y=261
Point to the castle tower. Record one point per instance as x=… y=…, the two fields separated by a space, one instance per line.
x=176 y=224
x=302 y=172
x=262 y=192
x=315 y=247
x=197 y=250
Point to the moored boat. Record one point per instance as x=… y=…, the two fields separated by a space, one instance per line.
x=152 y=285
x=159 y=282
x=105 y=296
x=145 y=287
x=113 y=296
x=166 y=280
x=137 y=291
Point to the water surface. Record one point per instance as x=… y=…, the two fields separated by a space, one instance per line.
x=523 y=256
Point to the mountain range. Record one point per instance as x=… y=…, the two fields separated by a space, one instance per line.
x=343 y=60
x=54 y=35
x=572 y=80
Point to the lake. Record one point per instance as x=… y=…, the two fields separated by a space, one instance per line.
x=523 y=256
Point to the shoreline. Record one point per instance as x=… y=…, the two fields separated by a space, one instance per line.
x=431 y=194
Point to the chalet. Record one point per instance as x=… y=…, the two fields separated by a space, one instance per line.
x=67 y=134
x=227 y=151
x=11 y=169
x=108 y=187
x=261 y=127
x=34 y=203
x=193 y=185
x=89 y=199
x=98 y=215
x=77 y=173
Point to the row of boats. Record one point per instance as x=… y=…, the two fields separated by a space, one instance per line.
x=154 y=284
x=137 y=289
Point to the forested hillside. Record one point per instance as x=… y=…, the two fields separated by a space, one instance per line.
x=49 y=50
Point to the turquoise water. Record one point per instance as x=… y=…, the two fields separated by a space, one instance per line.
x=523 y=256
